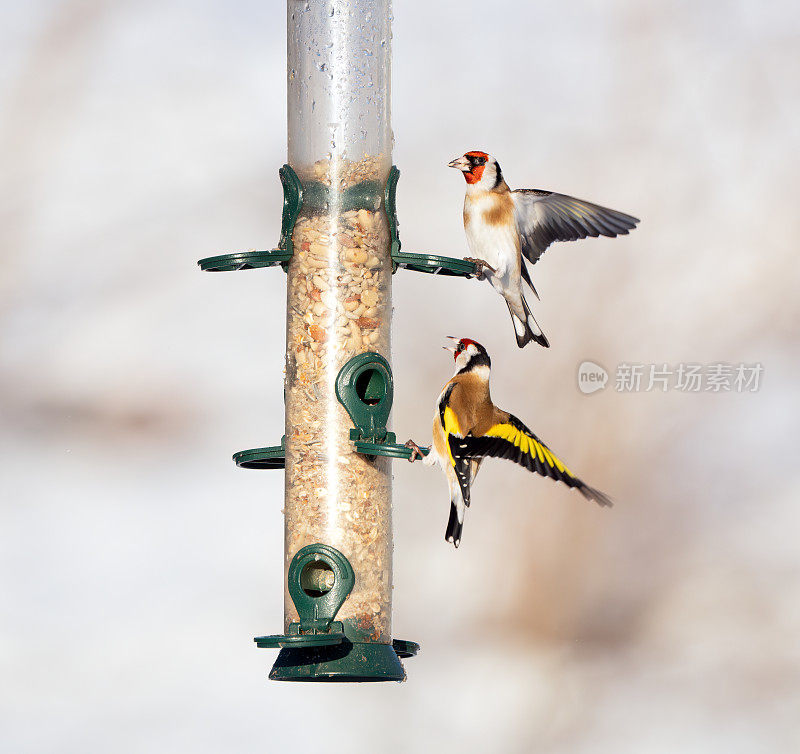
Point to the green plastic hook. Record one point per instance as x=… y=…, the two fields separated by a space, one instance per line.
x=390 y=205
x=292 y=204
x=251 y=260
x=433 y=264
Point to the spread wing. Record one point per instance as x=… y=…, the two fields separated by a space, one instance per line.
x=513 y=440
x=543 y=217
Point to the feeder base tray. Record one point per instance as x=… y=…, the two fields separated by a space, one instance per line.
x=344 y=662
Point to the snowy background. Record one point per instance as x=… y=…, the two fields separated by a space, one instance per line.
x=137 y=562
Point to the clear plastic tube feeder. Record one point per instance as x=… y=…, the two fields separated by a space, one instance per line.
x=338 y=315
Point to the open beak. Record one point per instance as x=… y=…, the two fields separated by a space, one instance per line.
x=451 y=348
x=461 y=163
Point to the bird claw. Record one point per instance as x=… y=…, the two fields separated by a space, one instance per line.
x=480 y=267
x=415 y=451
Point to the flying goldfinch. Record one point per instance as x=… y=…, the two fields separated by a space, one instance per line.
x=503 y=225
x=468 y=427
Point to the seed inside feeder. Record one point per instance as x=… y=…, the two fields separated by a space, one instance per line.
x=339 y=305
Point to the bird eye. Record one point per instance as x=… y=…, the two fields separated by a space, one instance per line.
x=481 y=160
x=460 y=346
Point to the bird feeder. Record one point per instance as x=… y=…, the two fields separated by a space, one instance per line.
x=339 y=246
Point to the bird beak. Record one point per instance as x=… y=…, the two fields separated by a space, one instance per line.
x=461 y=163
x=451 y=348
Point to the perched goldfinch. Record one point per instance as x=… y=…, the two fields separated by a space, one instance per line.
x=468 y=427
x=502 y=225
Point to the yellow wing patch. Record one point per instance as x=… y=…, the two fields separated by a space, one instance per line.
x=528 y=445
x=506 y=432
x=451 y=427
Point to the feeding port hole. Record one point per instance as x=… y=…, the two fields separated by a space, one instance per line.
x=371 y=386
x=317 y=578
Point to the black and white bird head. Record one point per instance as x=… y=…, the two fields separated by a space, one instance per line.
x=469 y=356
x=481 y=170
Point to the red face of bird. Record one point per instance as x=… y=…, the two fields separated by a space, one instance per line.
x=468 y=354
x=480 y=169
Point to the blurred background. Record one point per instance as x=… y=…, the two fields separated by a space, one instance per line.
x=138 y=562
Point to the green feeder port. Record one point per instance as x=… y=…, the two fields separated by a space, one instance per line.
x=319 y=648
x=365 y=387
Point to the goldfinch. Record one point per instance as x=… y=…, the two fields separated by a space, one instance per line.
x=468 y=427
x=503 y=225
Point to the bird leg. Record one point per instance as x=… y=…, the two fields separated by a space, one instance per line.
x=480 y=267
x=416 y=451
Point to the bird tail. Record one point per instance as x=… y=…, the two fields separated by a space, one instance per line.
x=527 y=329
x=459 y=499
x=454 y=527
